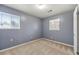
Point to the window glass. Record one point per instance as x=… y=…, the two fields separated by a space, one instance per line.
x=15 y=21
x=54 y=24
x=6 y=20
x=9 y=21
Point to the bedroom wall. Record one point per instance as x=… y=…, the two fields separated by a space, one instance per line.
x=30 y=29
x=65 y=34
x=78 y=32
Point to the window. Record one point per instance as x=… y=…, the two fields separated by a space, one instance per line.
x=9 y=21
x=54 y=24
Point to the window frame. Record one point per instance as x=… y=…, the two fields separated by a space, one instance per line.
x=11 y=15
x=54 y=25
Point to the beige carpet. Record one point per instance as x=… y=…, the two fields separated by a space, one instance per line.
x=40 y=47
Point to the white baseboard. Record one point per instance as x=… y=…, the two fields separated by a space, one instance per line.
x=34 y=41
x=60 y=42
x=17 y=45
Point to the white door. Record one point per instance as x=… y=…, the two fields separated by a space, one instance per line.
x=75 y=29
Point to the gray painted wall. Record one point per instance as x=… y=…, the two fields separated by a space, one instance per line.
x=65 y=34
x=30 y=29
x=78 y=32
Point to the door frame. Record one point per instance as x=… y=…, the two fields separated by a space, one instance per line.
x=75 y=29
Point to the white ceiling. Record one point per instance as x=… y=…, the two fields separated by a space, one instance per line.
x=42 y=13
